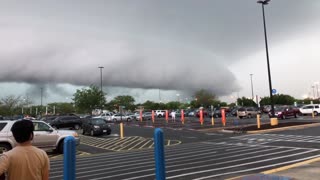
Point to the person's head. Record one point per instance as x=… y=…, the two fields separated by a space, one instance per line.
x=22 y=131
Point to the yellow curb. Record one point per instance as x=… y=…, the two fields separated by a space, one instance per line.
x=291 y=166
x=272 y=171
x=283 y=128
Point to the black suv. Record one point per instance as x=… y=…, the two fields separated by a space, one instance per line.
x=96 y=126
x=66 y=122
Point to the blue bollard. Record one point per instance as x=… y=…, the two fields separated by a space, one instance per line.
x=159 y=154
x=69 y=158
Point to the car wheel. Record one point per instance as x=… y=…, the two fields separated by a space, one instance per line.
x=284 y=117
x=60 y=147
x=315 y=113
x=240 y=117
x=128 y=119
x=77 y=127
x=109 y=132
x=114 y=120
x=295 y=115
x=83 y=132
x=249 y=115
x=91 y=133
x=5 y=148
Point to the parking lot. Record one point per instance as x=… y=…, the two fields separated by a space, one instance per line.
x=201 y=155
x=139 y=135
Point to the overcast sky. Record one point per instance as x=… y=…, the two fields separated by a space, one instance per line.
x=176 y=46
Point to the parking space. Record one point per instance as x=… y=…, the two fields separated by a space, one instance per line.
x=125 y=144
x=201 y=160
x=53 y=155
x=193 y=123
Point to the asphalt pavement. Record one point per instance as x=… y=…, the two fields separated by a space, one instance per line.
x=200 y=154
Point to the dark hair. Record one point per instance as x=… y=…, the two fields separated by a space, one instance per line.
x=22 y=130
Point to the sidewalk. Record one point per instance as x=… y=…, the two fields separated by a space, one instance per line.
x=307 y=170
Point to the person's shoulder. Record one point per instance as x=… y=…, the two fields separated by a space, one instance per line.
x=38 y=150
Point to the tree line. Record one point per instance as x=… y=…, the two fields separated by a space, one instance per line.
x=87 y=99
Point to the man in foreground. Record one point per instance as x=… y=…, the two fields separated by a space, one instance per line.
x=24 y=161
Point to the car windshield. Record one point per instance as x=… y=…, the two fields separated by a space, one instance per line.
x=280 y=109
x=98 y=121
x=241 y=109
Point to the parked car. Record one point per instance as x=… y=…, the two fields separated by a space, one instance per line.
x=45 y=137
x=160 y=113
x=121 y=117
x=217 y=113
x=191 y=113
x=147 y=116
x=106 y=116
x=247 y=112
x=66 y=122
x=308 y=109
x=284 y=112
x=48 y=118
x=131 y=116
x=96 y=126
x=205 y=113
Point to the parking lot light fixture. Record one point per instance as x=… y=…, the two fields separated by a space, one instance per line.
x=101 y=67
x=263 y=3
x=252 y=87
x=313 y=92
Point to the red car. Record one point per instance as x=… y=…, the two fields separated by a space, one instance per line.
x=205 y=113
x=284 y=112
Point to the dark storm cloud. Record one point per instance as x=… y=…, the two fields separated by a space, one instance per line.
x=142 y=44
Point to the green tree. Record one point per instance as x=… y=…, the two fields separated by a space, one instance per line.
x=307 y=101
x=150 y=105
x=265 y=101
x=10 y=105
x=279 y=99
x=245 y=102
x=173 y=105
x=87 y=99
x=61 y=108
x=126 y=100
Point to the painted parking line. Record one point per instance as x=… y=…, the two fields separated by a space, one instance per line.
x=269 y=138
x=125 y=144
x=215 y=162
x=56 y=156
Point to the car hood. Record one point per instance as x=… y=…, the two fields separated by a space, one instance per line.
x=66 y=132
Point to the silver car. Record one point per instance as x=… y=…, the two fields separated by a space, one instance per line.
x=45 y=137
x=121 y=117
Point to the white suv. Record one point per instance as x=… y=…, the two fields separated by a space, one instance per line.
x=308 y=109
x=45 y=137
x=160 y=113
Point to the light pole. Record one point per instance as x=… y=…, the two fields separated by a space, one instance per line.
x=313 y=92
x=41 y=101
x=263 y=3
x=178 y=97
x=101 y=67
x=252 y=87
